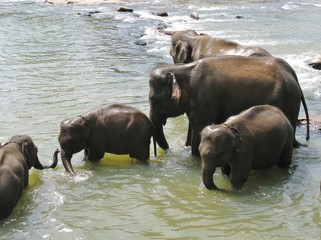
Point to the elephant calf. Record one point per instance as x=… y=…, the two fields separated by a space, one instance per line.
x=113 y=128
x=257 y=138
x=16 y=158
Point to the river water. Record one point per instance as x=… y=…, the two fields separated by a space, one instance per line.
x=58 y=60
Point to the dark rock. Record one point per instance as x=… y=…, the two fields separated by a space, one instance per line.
x=238 y=17
x=315 y=63
x=140 y=42
x=124 y=9
x=161 y=14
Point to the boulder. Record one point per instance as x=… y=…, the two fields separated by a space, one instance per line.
x=315 y=63
x=124 y=9
x=195 y=15
x=161 y=14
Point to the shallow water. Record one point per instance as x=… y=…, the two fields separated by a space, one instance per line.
x=57 y=62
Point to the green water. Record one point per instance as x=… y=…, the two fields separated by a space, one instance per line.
x=56 y=63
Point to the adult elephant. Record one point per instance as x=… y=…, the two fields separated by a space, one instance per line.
x=17 y=156
x=188 y=46
x=112 y=128
x=257 y=138
x=212 y=89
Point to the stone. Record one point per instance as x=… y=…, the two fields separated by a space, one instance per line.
x=315 y=63
x=195 y=15
x=161 y=14
x=124 y=9
x=140 y=42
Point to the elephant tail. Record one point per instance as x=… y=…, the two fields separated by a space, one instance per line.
x=155 y=151
x=306 y=115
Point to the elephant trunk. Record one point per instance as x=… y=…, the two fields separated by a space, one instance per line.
x=160 y=136
x=159 y=132
x=39 y=166
x=207 y=175
x=66 y=160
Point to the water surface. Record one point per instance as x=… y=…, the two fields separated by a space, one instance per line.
x=57 y=62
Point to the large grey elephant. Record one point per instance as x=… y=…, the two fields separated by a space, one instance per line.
x=257 y=138
x=188 y=46
x=17 y=156
x=212 y=89
x=112 y=128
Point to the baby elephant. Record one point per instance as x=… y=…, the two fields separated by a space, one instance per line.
x=257 y=138
x=112 y=128
x=16 y=158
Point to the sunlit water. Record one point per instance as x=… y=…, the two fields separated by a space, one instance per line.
x=57 y=62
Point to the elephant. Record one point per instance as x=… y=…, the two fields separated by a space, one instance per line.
x=112 y=128
x=17 y=156
x=257 y=138
x=188 y=46
x=212 y=89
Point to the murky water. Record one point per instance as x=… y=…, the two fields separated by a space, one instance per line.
x=56 y=62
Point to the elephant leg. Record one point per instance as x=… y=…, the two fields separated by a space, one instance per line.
x=195 y=140
x=226 y=170
x=188 y=137
x=140 y=150
x=95 y=156
x=86 y=154
x=286 y=158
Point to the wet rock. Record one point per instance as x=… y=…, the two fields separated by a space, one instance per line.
x=161 y=14
x=124 y=9
x=140 y=42
x=88 y=14
x=315 y=122
x=315 y=63
x=195 y=15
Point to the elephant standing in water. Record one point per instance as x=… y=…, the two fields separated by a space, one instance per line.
x=257 y=138
x=112 y=128
x=188 y=46
x=212 y=89
x=16 y=158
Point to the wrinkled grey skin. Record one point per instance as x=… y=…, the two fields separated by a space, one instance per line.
x=257 y=138
x=112 y=128
x=16 y=158
x=188 y=46
x=212 y=89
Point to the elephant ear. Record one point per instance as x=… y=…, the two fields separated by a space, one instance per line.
x=27 y=154
x=182 y=52
x=237 y=140
x=175 y=88
x=84 y=125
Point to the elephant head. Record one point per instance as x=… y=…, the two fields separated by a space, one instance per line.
x=73 y=137
x=219 y=147
x=167 y=98
x=30 y=152
x=182 y=46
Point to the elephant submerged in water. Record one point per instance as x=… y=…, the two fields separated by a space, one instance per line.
x=257 y=138
x=188 y=46
x=212 y=89
x=17 y=156
x=113 y=128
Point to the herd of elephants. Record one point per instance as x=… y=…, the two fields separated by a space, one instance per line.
x=242 y=105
